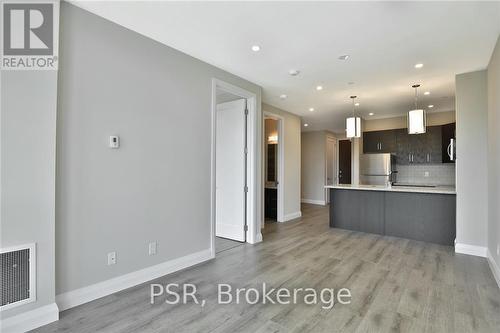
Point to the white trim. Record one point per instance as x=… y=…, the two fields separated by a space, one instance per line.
x=253 y=168
x=281 y=164
x=495 y=269
x=86 y=294
x=473 y=250
x=313 y=202
x=32 y=279
x=292 y=216
x=30 y=320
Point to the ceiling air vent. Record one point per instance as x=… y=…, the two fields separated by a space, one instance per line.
x=17 y=276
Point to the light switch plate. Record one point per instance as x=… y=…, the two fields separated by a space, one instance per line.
x=426 y=174
x=111 y=258
x=153 y=248
x=114 y=142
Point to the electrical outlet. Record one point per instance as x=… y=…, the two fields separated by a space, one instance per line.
x=426 y=174
x=111 y=258
x=152 y=248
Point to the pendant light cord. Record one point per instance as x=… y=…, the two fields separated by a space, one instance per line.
x=415 y=86
x=416 y=97
x=353 y=106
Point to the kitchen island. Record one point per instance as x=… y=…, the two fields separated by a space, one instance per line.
x=420 y=213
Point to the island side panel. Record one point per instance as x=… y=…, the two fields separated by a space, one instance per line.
x=357 y=210
x=421 y=216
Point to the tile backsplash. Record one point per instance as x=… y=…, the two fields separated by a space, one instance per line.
x=428 y=174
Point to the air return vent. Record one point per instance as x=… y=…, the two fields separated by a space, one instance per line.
x=17 y=276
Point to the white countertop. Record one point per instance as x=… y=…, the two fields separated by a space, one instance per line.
x=436 y=190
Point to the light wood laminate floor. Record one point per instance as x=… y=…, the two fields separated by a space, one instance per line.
x=397 y=285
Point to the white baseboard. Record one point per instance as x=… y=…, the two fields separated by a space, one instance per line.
x=108 y=287
x=258 y=238
x=494 y=268
x=292 y=216
x=30 y=320
x=314 y=202
x=473 y=250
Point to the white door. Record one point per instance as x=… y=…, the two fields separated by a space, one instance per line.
x=230 y=171
x=330 y=165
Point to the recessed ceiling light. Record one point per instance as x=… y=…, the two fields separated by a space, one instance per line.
x=344 y=57
x=294 y=72
x=427 y=93
x=319 y=87
x=306 y=124
x=283 y=96
x=256 y=48
x=356 y=104
x=419 y=65
x=311 y=109
x=371 y=114
x=431 y=106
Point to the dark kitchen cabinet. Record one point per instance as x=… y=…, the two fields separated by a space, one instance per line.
x=421 y=216
x=427 y=217
x=370 y=142
x=403 y=147
x=432 y=149
x=448 y=133
x=357 y=210
x=419 y=148
x=379 y=142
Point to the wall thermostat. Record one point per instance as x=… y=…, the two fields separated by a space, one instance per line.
x=114 y=142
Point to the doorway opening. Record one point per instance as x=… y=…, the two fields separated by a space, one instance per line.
x=234 y=167
x=344 y=162
x=331 y=165
x=273 y=158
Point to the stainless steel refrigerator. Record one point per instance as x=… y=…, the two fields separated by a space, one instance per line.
x=377 y=169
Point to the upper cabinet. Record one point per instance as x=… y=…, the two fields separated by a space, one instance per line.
x=424 y=148
x=379 y=142
x=419 y=148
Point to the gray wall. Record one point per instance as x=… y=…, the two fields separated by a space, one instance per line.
x=156 y=187
x=471 y=165
x=28 y=145
x=494 y=153
x=291 y=187
x=313 y=165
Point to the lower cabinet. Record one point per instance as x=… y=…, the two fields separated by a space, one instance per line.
x=428 y=217
x=357 y=210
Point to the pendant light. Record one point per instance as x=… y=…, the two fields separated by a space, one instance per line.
x=416 y=117
x=353 y=124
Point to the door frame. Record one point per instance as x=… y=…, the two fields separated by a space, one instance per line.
x=253 y=218
x=281 y=164
x=334 y=165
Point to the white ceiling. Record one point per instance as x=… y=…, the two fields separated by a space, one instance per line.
x=384 y=40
